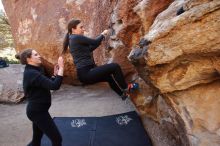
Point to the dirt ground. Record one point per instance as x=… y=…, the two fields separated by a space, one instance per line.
x=69 y=101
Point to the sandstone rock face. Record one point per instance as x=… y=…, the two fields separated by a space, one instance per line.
x=186 y=48
x=182 y=63
x=198 y=107
x=178 y=69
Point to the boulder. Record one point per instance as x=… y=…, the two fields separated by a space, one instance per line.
x=11 y=88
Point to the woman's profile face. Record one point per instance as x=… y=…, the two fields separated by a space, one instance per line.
x=79 y=29
x=35 y=59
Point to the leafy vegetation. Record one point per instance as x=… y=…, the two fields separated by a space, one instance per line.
x=11 y=61
x=6 y=39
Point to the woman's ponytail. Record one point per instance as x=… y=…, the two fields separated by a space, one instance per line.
x=65 y=43
x=72 y=24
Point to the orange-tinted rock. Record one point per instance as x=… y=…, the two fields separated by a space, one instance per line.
x=199 y=108
x=182 y=62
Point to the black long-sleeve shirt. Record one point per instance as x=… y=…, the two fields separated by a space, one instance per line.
x=81 y=48
x=37 y=86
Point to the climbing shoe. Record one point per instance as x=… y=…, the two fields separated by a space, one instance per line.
x=132 y=87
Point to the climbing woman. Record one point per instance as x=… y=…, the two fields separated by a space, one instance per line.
x=37 y=91
x=81 y=48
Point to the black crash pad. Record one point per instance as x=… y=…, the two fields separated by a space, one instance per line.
x=116 y=130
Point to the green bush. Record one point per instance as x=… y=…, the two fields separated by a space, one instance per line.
x=6 y=39
x=11 y=61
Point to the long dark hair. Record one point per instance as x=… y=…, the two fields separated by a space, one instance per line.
x=72 y=24
x=23 y=55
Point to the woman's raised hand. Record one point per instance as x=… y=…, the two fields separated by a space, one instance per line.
x=105 y=32
x=60 y=63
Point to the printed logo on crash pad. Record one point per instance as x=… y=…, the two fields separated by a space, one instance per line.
x=123 y=120
x=77 y=123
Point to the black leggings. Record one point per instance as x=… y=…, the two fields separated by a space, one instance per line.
x=110 y=73
x=43 y=123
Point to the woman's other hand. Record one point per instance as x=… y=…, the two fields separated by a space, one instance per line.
x=55 y=69
x=60 y=64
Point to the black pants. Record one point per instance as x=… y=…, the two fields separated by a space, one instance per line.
x=110 y=73
x=43 y=123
